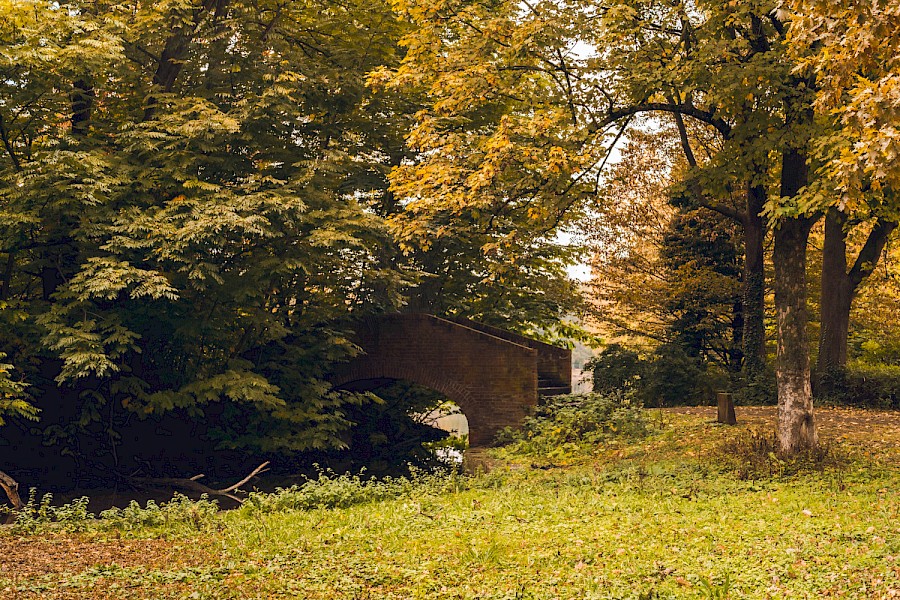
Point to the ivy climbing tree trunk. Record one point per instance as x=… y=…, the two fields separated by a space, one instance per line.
x=754 y=283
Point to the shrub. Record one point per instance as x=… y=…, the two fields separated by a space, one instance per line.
x=569 y=422
x=861 y=385
x=329 y=490
x=673 y=378
x=756 y=390
x=616 y=368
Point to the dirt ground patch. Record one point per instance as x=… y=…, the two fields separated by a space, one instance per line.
x=24 y=561
x=877 y=432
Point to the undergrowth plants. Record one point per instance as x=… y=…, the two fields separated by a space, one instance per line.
x=566 y=426
x=330 y=490
x=754 y=455
x=656 y=517
x=37 y=515
x=179 y=515
x=184 y=516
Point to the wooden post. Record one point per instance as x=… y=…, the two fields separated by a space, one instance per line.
x=726 y=409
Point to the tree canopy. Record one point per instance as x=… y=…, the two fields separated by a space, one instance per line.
x=199 y=197
x=196 y=206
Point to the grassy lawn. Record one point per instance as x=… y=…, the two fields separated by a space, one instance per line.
x=656 y=517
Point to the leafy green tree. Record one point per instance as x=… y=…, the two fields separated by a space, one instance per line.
x=851 y=48
x=189 y=190
x=196 y=207
x=512 y=82
x=12 y=396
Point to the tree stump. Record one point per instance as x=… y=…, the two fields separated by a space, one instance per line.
x=726 y=409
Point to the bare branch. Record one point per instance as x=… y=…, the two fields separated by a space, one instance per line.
x=11 y=487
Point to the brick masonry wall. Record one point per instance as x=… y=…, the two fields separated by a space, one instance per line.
x=494 y=381
x=553 y=362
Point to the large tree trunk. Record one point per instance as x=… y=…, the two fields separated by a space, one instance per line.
x=839 y=286
x=796 y=428
x=836 y=295
x=796 y=422
x=754 y=283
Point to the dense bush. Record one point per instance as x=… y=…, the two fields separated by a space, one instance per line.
x=861 y=385
x=616 y=368
x=570 y=422
x=756 y=390
x=669 y=377
x=673 y=378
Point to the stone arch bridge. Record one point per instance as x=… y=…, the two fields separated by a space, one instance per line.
x=494 y=375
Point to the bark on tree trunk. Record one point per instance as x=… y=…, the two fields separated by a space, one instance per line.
x=839 y=286
x=8 y=275
x=754 y=283
x=796 y=428
x=796 y=421
x=82 y=105
x=736 y=351
x=836 y=295
x=11 y=487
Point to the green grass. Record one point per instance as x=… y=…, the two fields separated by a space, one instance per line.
x=631 y=519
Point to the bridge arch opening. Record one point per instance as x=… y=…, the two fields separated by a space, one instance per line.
x=412 y=419
x=367 y=376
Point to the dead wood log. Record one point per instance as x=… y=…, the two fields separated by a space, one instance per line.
x=11 y=487
x=191 y=484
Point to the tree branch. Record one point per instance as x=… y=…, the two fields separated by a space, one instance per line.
x=193 y=485
x=871 y=250
x=11 y=487
x=708 y=117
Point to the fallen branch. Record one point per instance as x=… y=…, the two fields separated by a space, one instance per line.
x=192 y=484
x=11 y=487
